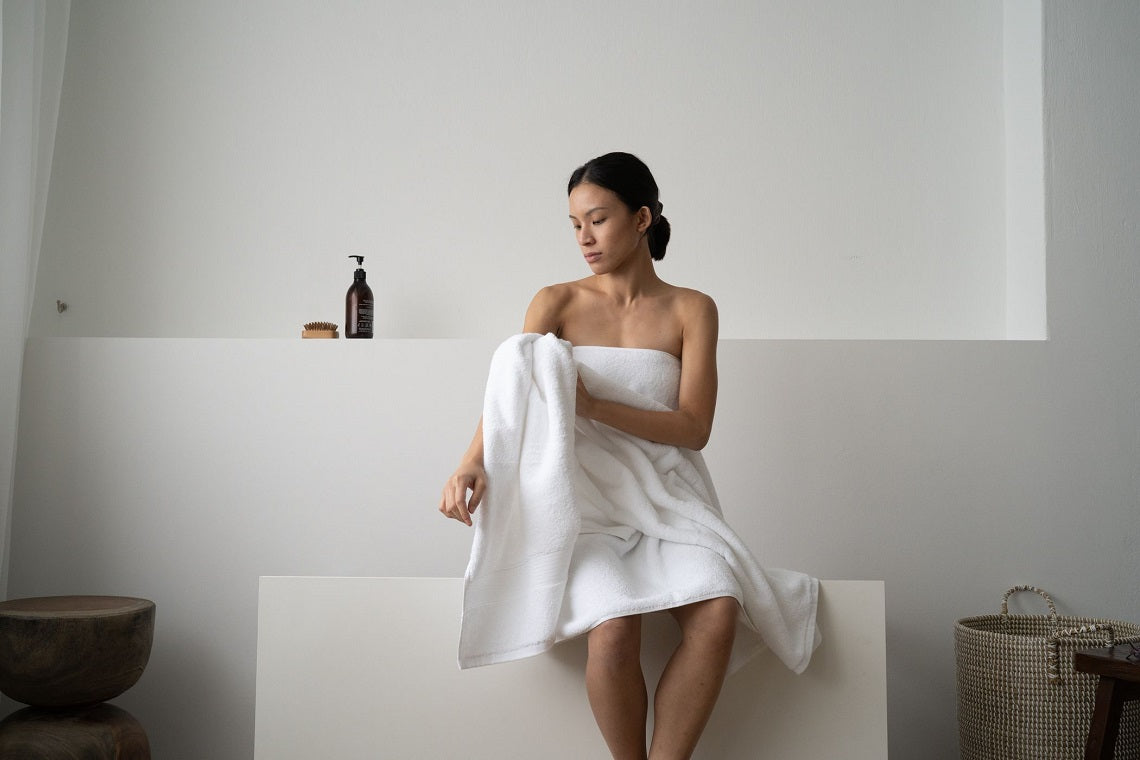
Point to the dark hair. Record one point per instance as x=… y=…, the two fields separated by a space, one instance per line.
x=627 y=177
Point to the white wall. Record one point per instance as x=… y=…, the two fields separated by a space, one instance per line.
x=1025 y=312
x=182 y=469
x=832 y=170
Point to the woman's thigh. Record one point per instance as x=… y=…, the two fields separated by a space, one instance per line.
x=714 y=618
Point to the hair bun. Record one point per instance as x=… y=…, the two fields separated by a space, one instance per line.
x=659 y=234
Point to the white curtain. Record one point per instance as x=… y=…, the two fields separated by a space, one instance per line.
x=33 y=46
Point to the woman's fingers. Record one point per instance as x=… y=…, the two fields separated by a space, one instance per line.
x=455 y=503
x=477 y=491
x=457 y=506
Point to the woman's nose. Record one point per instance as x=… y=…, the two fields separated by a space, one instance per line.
x=585 y=237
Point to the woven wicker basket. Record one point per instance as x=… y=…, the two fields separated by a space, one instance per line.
x=1018 y=695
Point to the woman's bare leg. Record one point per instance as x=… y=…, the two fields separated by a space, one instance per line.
x=692 y=679
x=616 y=686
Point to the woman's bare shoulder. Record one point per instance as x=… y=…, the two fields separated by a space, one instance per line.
x=690 y=302
x=558 y=295
x=696 y=314
x=559 y=291
x=548 y=308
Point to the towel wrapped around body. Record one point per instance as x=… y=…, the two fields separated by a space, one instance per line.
x=582 y=522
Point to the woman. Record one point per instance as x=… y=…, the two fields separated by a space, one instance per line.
x=616 y=216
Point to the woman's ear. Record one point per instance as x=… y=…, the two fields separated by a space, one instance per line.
x=644 y=218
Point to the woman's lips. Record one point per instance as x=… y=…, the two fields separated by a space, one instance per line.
x=593 y=256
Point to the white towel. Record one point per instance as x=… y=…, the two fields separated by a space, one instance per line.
x=582 y=522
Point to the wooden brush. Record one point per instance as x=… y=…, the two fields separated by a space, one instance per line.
x=320 y=330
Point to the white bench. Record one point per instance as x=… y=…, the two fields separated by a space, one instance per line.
x=365 y=668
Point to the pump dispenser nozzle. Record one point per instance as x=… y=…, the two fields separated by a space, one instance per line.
x=359 y=267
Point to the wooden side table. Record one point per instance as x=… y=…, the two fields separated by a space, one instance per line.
x=1119 y=683
x=65 y=655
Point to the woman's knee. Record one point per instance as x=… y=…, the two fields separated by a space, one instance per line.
x=616 y=642
x=712 y=621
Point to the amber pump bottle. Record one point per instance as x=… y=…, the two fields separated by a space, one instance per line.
x=358 y=305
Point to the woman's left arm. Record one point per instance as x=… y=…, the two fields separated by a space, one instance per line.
x=690 y=425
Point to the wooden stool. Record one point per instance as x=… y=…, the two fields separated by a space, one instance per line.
x=1119 y=683
x=66 y=655
x=77 y=733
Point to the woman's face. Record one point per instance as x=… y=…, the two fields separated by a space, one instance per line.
x=608 y=233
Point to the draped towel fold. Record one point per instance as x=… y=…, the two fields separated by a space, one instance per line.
x=582 y=522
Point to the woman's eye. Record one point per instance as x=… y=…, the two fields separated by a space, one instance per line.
x=598 y=221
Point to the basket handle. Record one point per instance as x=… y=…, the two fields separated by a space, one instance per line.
x=1053 y=646
x=1034 y=589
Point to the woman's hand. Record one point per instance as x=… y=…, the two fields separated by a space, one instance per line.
x=454 y=502
x=584 y=402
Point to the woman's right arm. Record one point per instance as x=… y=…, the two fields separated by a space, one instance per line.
x=542 y=316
